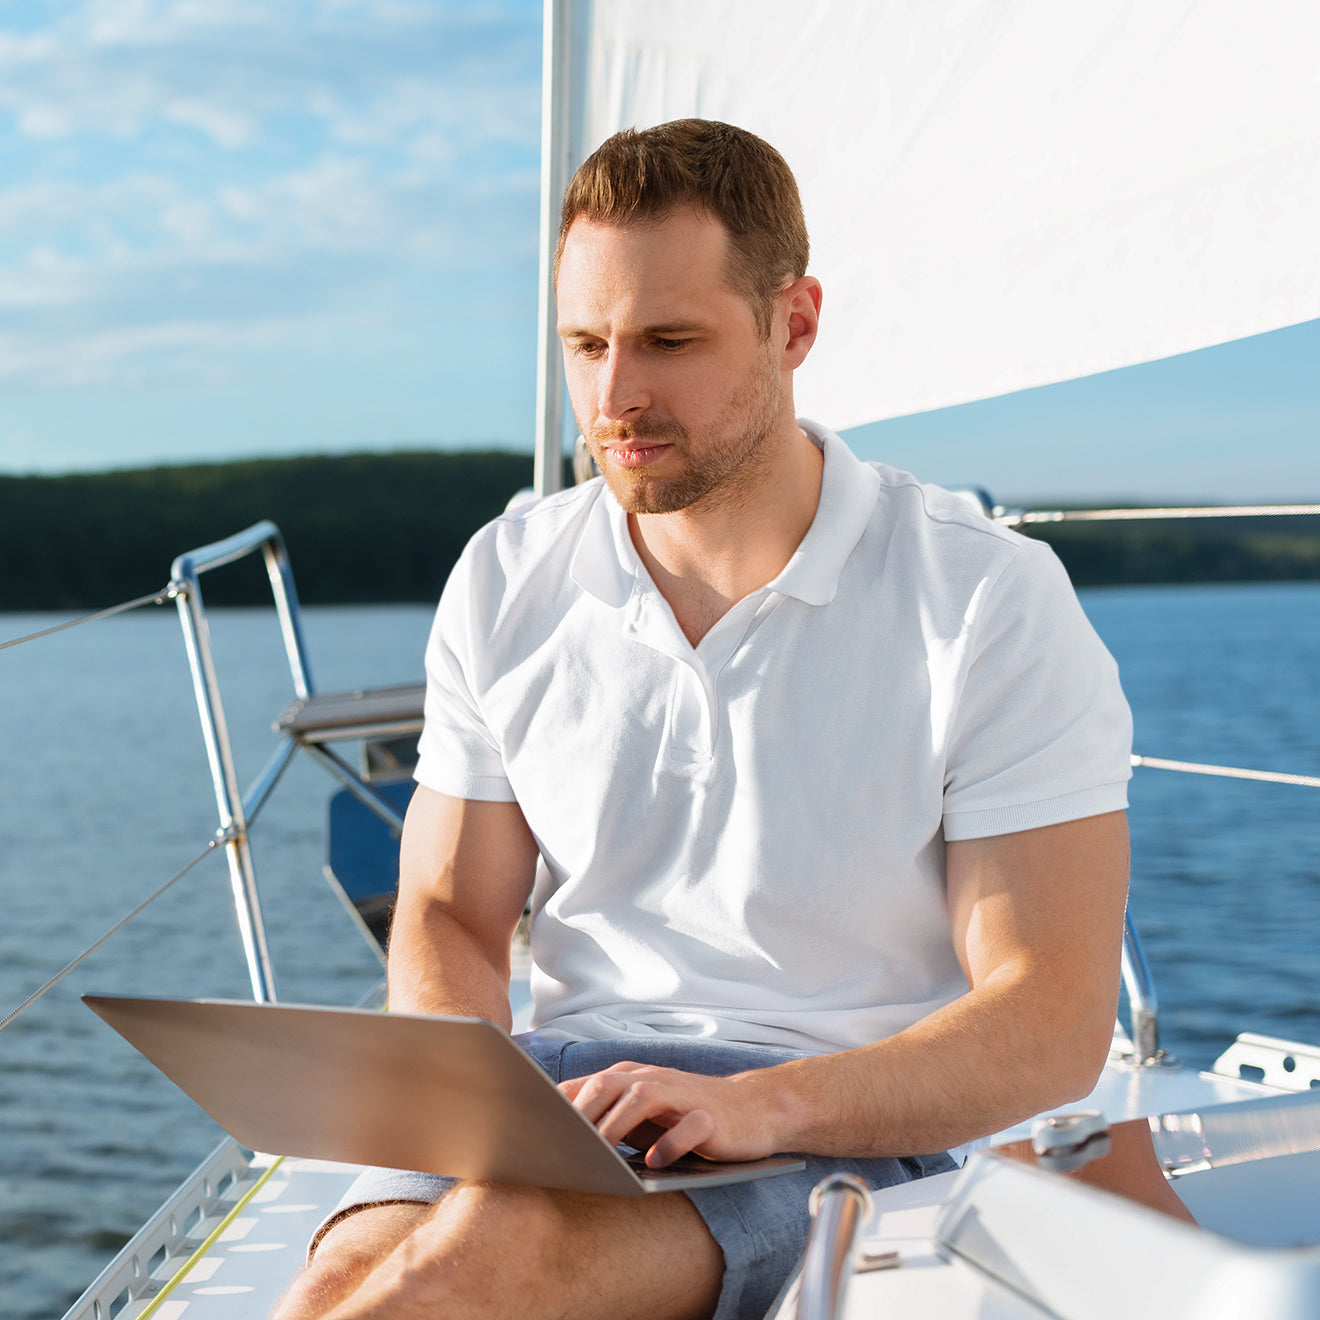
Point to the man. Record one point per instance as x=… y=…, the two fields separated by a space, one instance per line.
x=814 y=779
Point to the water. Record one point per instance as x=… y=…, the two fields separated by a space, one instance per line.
x=1224 y=675
x=104 y=793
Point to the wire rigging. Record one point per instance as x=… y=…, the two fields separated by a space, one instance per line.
x=114 y=930
x=166 y=593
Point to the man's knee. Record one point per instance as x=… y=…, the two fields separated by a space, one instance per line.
x=511 y=1228
x=346 y=1252
x=598 y=1254
x=487 y=1249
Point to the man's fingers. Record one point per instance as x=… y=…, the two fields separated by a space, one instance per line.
x=633 y=1102
x=644 y=1107
x=681 y=1139
x=637 y=1103
x=596 y=1093
x=645 y=1135
x=573 y=1085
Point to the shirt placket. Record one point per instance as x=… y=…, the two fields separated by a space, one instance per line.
x=694 y=704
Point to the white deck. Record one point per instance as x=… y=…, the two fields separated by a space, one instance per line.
x=259 y=1250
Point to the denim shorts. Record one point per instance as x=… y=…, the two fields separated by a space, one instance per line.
x=761 y=1226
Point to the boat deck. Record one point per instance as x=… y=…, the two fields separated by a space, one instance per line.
x=260 y=1242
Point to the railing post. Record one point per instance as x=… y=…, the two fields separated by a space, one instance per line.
x=1142 y=1001
x=840 y=1204
x=280 y=573
x=185 y=575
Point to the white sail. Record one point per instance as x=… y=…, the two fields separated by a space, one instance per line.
x=1000 y=193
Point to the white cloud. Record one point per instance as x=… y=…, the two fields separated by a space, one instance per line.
x=106 y=356
x=371 y=72
x=222 y=125
x=192 y=177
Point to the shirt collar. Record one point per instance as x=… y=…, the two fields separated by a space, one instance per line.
x=849 y=490
x=605 y=562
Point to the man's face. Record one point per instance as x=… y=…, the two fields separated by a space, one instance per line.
x=672 y=384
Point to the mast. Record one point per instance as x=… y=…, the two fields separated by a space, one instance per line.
x=556 y=162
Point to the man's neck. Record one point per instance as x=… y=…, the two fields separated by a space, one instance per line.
x=706 y=558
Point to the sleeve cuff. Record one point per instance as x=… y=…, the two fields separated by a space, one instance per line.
x=453 y=781
x=991 y=821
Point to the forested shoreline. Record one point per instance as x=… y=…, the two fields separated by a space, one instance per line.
x=387 y=527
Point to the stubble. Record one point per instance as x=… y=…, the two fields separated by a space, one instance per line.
x=721 y=465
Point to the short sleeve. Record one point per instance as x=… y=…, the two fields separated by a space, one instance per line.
x=1042 y=733
x=457 y=753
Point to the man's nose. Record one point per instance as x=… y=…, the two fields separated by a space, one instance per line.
x=623 y=389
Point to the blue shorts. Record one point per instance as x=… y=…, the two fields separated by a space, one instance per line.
x=761 y=1226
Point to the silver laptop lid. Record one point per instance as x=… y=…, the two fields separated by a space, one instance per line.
x=441 y=1095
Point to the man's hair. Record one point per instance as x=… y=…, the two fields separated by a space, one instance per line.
x=642 y=177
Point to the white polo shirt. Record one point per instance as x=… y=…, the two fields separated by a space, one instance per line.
x=745 y=839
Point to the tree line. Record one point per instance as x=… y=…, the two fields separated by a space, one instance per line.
x=358 y=527
x=1258 y=549
x=388 y=527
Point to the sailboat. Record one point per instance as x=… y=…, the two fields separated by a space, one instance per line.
x=1001 y=194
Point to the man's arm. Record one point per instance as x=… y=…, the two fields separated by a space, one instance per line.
x=465 y=871
x=1037 y=921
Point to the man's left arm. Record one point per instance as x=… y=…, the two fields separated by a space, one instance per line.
x=1037 y=921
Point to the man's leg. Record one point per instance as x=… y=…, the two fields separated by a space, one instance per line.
x=346 y=1254
x=492 y=1250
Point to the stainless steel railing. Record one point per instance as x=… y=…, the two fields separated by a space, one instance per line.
x=840 y=1205
x=235 y=811
x=1144 y=1023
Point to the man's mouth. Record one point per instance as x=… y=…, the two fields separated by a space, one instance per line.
x=635 y=453
x=634 y=446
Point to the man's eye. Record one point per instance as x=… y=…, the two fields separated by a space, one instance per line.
x=672 y=345
x=585 y=348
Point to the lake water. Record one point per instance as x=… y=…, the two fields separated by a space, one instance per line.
x=104 y=794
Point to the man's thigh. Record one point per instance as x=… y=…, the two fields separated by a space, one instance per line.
x=502 y=1252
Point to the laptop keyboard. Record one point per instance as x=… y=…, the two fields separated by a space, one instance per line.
x=681 y=1168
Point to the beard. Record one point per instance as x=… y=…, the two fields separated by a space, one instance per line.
x=720 y=462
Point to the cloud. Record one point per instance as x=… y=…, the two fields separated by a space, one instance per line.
x=194 y=177
x=374 y=72
x=147 y=267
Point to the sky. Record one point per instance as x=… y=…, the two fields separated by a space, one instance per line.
x=236 y=228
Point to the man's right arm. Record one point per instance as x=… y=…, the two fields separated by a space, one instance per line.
x=465 y=872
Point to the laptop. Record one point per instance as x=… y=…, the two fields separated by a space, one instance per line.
x=440 y=1095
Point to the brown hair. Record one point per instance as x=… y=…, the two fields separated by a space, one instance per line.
x=641 y=177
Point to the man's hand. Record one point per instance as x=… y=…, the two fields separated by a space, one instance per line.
x=669 y=1114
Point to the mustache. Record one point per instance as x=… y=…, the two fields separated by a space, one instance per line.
x=657 y=429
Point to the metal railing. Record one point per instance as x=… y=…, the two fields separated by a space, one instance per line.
x=1143 y=1005
x=1034 y=517
x=840 y=1204
x=235 y=811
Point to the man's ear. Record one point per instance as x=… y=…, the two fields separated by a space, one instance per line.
x=799 y=308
